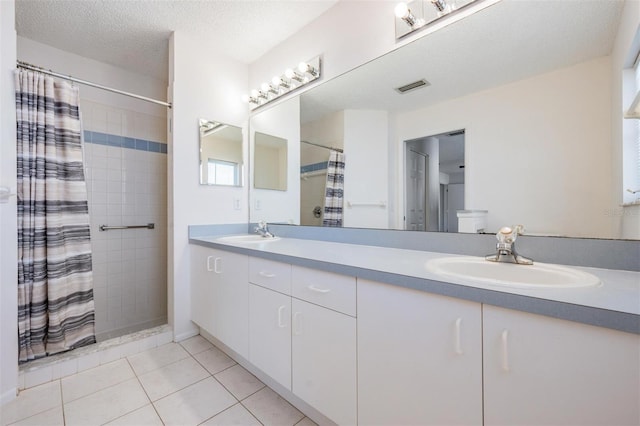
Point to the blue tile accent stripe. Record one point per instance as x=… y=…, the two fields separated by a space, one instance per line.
x=124 y=142
x=313 y=167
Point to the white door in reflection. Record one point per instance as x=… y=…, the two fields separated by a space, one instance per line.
x=417 y=175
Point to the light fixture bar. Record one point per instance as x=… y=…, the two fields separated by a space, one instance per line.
x=292 y=79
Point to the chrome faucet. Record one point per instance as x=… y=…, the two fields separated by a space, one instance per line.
x=506 y=247
x=263 y=229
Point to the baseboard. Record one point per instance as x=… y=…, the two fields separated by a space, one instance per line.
x=8 y=396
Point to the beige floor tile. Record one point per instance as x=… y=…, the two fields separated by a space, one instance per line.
x=196 y=344
x=234 y=416
x=195 y=404
x=144 y=362
x=214 y=360
x=31 y=402
x=106 y=405
x=271 y=409
x=145 y=416
x=95 y=379
x=53 y=417
x=171 y=378
x=306 y=422
x=239 y=381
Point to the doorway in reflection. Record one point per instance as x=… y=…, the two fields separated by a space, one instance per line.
x=434 y=182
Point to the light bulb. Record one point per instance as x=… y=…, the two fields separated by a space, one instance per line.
x=303 y=67
x=402 y=10
x=265 y=87
x=279 y=82
x=255 y=93
x=289 y=73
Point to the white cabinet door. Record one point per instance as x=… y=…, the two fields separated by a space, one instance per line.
x=203 y=288
x=419 y=358
x=324 y=361
x=232 y=301
x=220 y=296
x=270 y=333
x=545 y=371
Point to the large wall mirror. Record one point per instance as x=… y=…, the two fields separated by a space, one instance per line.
x=220 y=153
x=512 y=118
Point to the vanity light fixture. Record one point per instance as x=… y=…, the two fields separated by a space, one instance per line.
x=279 y=82
x=441 y=5
x=291 y=80
x=431 y=15
x=292 y=75
x=403 y=12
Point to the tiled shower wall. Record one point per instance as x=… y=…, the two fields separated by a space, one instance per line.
x=126 y=171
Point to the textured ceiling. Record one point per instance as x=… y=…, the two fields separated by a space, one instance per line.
x=509 y=41
x=134 y=34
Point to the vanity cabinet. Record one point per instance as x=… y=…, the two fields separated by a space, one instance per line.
x=541 y=370
x=300 y=337
x=219 y=296
x=419 y=357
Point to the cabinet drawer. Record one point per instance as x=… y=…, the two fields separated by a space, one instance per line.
x=270 y=274
x=333 y=291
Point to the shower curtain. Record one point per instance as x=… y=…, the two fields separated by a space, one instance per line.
x=334 y=190
x=55 y=286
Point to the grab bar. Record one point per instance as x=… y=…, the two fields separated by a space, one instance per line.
x=108 y=228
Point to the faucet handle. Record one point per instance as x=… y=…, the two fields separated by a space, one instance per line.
x=507 y=234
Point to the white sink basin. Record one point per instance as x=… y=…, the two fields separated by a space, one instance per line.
x=249 y=238
x=538 y=275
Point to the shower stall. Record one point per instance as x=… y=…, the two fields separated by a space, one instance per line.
x=125 y=164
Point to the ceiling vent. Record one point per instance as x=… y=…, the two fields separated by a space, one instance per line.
x=412 y=86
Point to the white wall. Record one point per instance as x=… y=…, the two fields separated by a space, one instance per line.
x=543 y=142
x=282 y=121
x=626 y=221
x=365 y=176
x=200 y=86
x=8 y=219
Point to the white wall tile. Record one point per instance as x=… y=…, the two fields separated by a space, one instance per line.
x=38 y=376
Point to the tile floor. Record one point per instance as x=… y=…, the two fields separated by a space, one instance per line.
x=191 y=383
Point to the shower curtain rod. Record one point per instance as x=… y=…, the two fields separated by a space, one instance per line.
x=323 y=146
x=28 y=66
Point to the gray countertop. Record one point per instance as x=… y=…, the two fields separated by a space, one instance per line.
x=614 y=304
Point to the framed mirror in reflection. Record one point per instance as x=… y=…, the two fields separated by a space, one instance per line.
x=221 y=156
x=534 y=97
x=270 y=162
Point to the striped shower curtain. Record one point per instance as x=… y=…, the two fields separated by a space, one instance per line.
x=55 y=285
x=334 y=190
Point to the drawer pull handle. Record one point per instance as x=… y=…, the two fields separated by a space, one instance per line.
x=209 y=268
x=280 y=312
x=505 y=350
x=319 y=290
x=458 y=342
x=266 y=274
